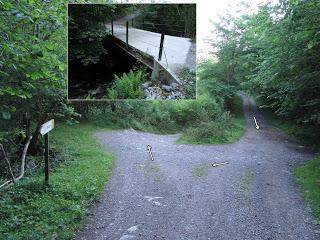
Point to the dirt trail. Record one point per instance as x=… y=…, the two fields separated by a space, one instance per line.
x=252 y=197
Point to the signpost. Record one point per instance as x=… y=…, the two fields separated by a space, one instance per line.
x=44 y=130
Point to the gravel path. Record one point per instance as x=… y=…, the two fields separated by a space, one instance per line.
x=181 y=196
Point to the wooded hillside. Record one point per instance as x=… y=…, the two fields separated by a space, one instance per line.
x=275 y=55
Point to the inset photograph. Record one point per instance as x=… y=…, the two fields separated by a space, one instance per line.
x=131 y=51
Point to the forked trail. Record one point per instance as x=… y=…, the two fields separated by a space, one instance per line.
x=180 y=195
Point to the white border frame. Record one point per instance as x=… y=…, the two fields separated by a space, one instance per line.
x=129 y=99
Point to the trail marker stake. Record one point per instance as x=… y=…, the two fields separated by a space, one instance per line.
x=44 y=130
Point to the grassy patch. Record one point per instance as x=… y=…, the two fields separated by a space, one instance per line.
x=246 y=183
x=247 y=178
x=308 y=178
x=200 y=170
x=153 y=171
x=30 y=210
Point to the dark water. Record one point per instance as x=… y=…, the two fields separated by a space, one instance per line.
x=94 y=79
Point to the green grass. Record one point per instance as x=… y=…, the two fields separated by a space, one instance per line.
x=200 y=170
x=30 y=210
x=247 y=179
x=218 y=132
x=246 y=184
x=153 y=171
x=308 y=178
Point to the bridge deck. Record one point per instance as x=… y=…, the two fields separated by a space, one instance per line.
x=175 y=51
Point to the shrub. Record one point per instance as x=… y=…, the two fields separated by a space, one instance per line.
x=214 y=131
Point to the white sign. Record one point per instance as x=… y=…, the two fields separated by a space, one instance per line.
x=47 y=127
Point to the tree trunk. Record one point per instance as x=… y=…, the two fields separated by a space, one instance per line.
x=34 y=141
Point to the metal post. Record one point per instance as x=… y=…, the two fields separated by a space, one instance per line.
x=46 y=159
x=161 y=46
x=127 y=37
x=112 y=27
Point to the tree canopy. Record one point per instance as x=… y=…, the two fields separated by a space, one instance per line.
x=275 y=54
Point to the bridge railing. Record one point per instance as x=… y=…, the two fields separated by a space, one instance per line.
x=123 y=30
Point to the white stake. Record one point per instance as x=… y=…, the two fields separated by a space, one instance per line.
x=255 y=121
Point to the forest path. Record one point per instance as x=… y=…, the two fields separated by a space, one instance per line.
x=180 y=195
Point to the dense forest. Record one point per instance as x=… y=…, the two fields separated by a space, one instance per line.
x=179 y=20
x=87 y=29
x=273 y=54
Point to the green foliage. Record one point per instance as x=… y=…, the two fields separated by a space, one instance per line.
x=179 y=20
x=186 y=74
x=127 y=86
x=308 y=177
x=212 y=109
x=190 y=76
x=307 y=134
x=32 y=68
x=30 y=210
x=87 y=30
x=214 y=82
x=203 y=132
x=274 y=54
x=223 y=128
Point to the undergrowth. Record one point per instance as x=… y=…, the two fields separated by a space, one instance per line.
x=31 y=210
x=190 y=76
x=307 y=134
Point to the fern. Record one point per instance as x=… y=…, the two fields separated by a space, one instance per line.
x=127 y=86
